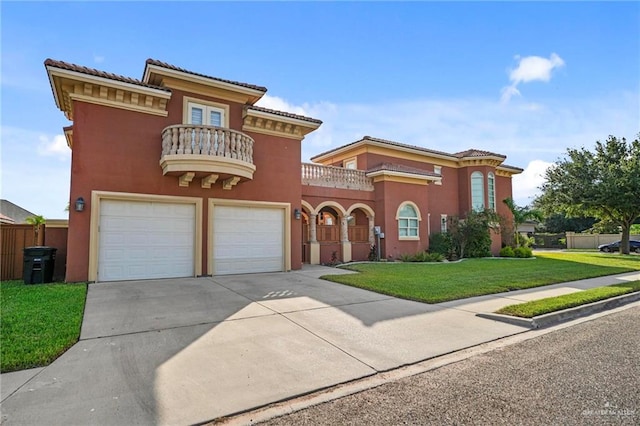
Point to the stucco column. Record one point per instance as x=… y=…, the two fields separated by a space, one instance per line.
x=314 y=245
x=344 y=239
x=313 y=220
x=372 y=234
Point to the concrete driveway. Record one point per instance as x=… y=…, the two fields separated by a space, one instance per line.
x=185 y=351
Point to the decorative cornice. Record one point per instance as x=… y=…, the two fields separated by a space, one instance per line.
x=178 y=78
x=68 y=134
x=508 y=171
x=480 y=161
x=402 y=177
x=272 y=123
x=71 y=85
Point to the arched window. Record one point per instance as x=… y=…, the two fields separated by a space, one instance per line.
x=477 y=191
x=491 y=184
x=408 y=217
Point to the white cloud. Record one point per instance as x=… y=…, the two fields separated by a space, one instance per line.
x=530 y=68
x=279 y=104
x=56 y=146
x=526 y=184
x=29 y=177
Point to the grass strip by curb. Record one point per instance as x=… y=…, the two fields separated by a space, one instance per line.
x=39 y=322
x=442 y=282
x=558 y=303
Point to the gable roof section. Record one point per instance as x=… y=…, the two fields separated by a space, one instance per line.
x=368 y=143
x=279 y=123
x=97 y=73
x=14 y=212
x=163 y=74
x=175 y=68
x=369 y=139
x=284 y=114
x=476 y=153
x=71 y=82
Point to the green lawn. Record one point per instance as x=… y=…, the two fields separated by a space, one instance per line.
x=440 y=282
x=39 y=322
x=566 y=301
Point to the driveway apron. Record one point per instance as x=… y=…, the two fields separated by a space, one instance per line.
x=185 y=351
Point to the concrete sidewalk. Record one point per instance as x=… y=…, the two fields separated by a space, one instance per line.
x=192 y=350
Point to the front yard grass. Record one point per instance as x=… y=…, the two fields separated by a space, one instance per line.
x=441 y=282
x=566 y=301
x=39 y=322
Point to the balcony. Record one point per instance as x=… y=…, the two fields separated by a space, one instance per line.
x=335 y=177
x=206 y=152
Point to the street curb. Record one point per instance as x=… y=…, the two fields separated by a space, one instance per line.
x=552 y=318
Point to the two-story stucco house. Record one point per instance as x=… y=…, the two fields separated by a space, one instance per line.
x=180 y=174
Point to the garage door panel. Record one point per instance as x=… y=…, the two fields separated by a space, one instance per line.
x=144 y=240
x=248 y=239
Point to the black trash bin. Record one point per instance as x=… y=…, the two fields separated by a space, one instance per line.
x=38 y=264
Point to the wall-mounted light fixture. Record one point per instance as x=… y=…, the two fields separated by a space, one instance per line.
x=297 y=214
x=80 y=204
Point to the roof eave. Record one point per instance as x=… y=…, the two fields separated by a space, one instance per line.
x=253 y=95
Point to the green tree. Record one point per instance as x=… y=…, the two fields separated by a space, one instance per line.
x=470 y=237
x=604 y=184
x=36 y=221
x=520 y=216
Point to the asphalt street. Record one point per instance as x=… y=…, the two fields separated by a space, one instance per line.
x=586 y=374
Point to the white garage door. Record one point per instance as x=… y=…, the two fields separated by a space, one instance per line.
x=247 y=240
x=144 y=240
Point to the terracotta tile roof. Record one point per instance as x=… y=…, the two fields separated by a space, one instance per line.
x=477 y=153
x=175 y=68
x=285 y=114
x=506 y=166
x=401 y=168
x=97 y=73
x=388 y=142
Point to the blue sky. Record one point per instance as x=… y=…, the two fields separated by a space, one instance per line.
x=527 y=80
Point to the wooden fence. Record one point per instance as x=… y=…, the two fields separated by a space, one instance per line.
x=14 y=238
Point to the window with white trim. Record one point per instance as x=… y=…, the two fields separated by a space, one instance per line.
x=477 y=191
x=491 y=184
x=205 y=115
x=443 y=223
x=407 y=221
x=351 y=164
x=438 y=170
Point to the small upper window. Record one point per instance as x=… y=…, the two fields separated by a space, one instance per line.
x=205 y=115
x=350 y=164
x=408 y=222
x=477 y=191
x=438 y=170
x=491 y=183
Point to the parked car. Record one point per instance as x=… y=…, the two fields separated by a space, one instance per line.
x=634 y=245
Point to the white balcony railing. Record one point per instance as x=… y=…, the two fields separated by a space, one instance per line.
x=335 y=177
x=186 y=139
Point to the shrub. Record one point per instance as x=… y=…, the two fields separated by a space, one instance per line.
x=422 y=256
x=523 y=252
x=507 y=252
x=373 y=253
x=441 y=243
x=434 y=257
x=407 y=258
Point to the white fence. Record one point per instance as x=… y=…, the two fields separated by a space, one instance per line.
x=592 y=241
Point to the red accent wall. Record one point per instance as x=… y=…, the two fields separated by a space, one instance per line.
x=119 y=150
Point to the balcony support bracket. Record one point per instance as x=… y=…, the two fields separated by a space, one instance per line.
x=230 y=183
x=186 y=178
x=209 y=180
